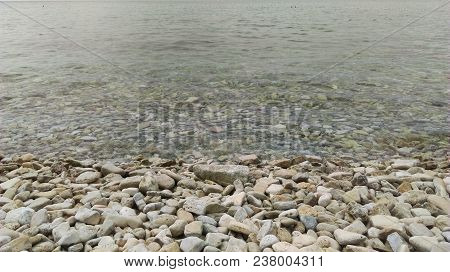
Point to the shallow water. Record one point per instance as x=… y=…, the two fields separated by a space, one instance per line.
x=219 y=77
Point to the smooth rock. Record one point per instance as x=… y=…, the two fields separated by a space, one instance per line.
x=423 y=243
x=192 y=244
x=88 y=177
x=268 y=241
x=88 y=216
x=236 y=245
x=348 y=238
x=222 y=174
x=21 y=215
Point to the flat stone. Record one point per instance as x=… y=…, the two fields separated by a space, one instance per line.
x=109 y=168
x=302 y=240
x=165 y=182
x=292 y=213
x=87 y=232
x=207 y=220
x=284 y=173
x=4 y=240
x=195 y=205
x=212 y=188
x=284 y=247
x=177 y=228
x=216 y=239
x=106 y=228
x=211 y=249
x=283 y=163
x=325 y=200
x=60 y=230
x=39 y=203
x=21 y=215
x=262 y=184
x=446 y=235
x=300 y=177
x=348 y=238
x=236 y=199
x=266 y=228
x=241 y=214
x=22 y=243
x=194 y=228
x=10 y=183
x=222 y=174
x=236 y=245
x=329 y=227
x=44 y=247
x=384 y=221
x=396 y=242
x=404 y=164
x=248 y=159
x=130 y=182
x=69 y=238
x=240 y=228
x=310 y=222
x=172 y=247
x=40 y=217
x=417 y=229
x=192 y=244
x=327 y=242
x=88 y=177
x=268 y=241
x=423 y=243
x=215 y=208
x=440 y=202
x=148 y=183
x=125 y=221
x=163 y=219
x=88 y=216
x=357 y=227
x=91 y=196
x=441 y=247
x=284 y=205
x=274 y=189
x=420 y=212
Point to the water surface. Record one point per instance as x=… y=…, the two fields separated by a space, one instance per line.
x=171 y=77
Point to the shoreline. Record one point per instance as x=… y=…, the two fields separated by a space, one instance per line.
x=302 y=203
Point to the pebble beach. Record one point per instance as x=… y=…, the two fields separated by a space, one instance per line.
x=247 y=203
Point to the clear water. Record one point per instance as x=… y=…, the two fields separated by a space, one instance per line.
x=172 y=77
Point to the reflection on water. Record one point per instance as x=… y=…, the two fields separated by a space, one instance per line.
x=223 y=77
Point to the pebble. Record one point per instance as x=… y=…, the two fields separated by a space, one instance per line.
x=284 y=247
x=147 y=183
x=88 y=216
x=216 y=239
x=423 y=243
x=222 y=174
x=165 y=182
x=348 y=238
x=192 y=244
x=88 y=177
x=21 y=215
x=236 y=245
x=194 y=228
x=396 y=242
x=325 y=199
x=240 y=228
x=109 y=168
x=268 y=241
x=40 y=217
x=310 y=222
x=417 y=229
